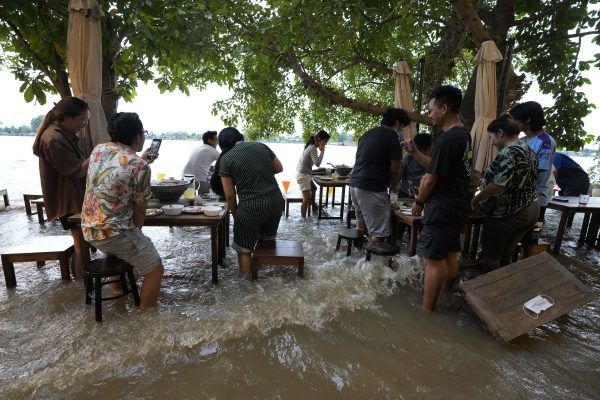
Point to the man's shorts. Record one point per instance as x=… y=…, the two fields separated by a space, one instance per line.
x=133 y=247
x=304 y=181
x=373 y=210
x=440 y=239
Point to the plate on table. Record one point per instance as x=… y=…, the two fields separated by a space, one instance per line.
x=325 y=178
x=192 y=210
x=153 y=212
x=215 y=203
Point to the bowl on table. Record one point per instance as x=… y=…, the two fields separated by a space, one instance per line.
x=211 y=211
x=168 y=189
x=173 y=209
x=342 y=170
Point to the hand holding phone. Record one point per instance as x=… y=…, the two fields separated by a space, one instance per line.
x=152 y=152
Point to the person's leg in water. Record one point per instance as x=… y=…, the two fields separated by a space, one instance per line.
x=306 y=198
x=151 y=287
x=435 y=276
x=81 y=253
x=313 y=195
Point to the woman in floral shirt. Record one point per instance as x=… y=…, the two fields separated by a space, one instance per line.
x=114 y=206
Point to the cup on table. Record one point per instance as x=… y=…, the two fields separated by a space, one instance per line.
x=286 y=185
x=327 y=171
x=583 y=199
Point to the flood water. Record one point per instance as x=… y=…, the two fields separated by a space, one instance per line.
x=349 y=330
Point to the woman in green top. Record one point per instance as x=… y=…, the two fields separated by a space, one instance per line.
x=247 y=174
x=509 y=195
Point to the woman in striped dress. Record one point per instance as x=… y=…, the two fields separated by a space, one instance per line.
x=247 y=173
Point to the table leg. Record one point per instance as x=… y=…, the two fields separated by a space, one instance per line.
x=592 y=232
x=40 y=213
x=287 y=208
x=412 y=243
x=214 y=242
x=467 y=241
x=584 y=227
x=475 y=241
x=6 y=202
x=564 y=217
x=9 y=272
x=333 y=197
x=320 y=201
x=326 y=196
x=342 y=203
x=349 y=208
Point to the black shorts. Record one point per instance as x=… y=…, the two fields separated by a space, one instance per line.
x=67 y=226
x=440 y=239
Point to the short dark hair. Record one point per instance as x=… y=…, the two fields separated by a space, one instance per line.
x=391 y=115
x=505 y=123
x=422 y=141
x=123 y=127
x=208 y=135
x=228 y=137
x=449 y=95
x=530 y=113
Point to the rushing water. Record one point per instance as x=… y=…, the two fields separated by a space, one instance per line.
x=350 y=329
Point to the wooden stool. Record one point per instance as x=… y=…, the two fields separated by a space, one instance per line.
x=278 y=252
x=292 y=198
x=4 y=194
x=349 y=235
x=27 y=199
x=97 y=273
x=39 y=205
x=387 y=249
x=41 y=250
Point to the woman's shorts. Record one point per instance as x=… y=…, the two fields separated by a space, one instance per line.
x=133 y=247
x=304 y=181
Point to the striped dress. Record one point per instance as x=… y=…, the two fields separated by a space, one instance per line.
x=250 y=166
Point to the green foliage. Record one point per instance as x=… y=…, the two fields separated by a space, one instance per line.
x=292 y=61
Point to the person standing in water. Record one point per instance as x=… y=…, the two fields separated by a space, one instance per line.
x=310 y=156
x=63 y=169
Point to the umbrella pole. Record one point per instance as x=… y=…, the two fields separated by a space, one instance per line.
x=504 y=75
x=420 y=91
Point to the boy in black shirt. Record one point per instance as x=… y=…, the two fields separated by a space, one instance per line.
x=444 y=194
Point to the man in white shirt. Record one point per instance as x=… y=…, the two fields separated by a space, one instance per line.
x=201 y=159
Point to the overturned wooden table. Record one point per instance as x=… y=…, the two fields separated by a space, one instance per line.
x=217 y=225
x=571 y=207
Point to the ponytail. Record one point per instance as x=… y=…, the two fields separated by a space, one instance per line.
x=311 y=140
x=67 y=107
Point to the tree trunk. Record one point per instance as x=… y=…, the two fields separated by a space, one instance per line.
x=60 y=81
x=110 y=100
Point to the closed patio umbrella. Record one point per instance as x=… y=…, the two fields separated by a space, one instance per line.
x=402 y=96
x=84 y=56
x=485 y=105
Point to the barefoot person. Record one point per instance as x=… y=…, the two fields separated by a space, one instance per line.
x=114 y=208
x=247 y=173
x=444 y=194
x=63 y=168
x=310 y=156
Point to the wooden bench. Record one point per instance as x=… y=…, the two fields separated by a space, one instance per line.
x=278 y=252
x=39 y=205
x=4 y=194
x=27 y=199
x=293 y=197
x=40 y=250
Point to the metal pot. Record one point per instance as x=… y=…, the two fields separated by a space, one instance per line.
x=168 y=190
x=342 y=170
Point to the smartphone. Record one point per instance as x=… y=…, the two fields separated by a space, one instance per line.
x=153 y=150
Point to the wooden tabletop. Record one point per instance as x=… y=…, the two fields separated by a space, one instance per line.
x=324 y=181
x=174 y=220
x=573 y=204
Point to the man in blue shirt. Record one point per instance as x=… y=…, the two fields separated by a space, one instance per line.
x=570 y=177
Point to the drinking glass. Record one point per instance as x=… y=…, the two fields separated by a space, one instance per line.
x=286 y=185
x=583 y=199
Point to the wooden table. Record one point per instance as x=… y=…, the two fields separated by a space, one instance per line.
x=218 y=231
x=471 y=233
x=569 y=208
x=323 y=182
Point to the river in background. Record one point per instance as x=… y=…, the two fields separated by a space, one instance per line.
x=349 y=330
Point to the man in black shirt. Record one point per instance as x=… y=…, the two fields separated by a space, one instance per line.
x=444 y=194
x=377 y=160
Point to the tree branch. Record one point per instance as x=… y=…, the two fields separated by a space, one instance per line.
x=335 y=97
x=555 y=39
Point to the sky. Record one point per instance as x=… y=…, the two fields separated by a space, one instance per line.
x=169 y=112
